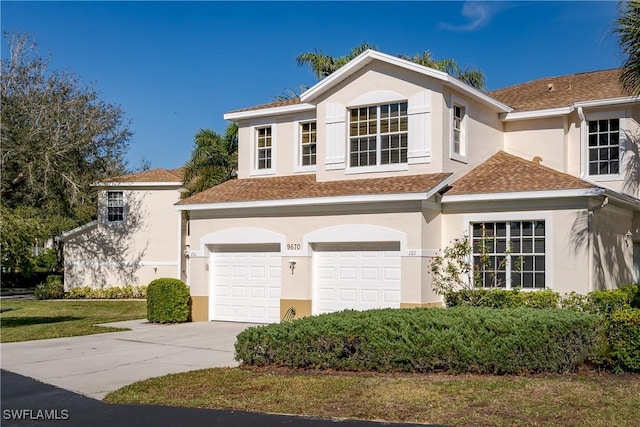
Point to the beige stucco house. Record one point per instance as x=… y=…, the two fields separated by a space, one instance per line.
x=136 y=238
x=344 y=195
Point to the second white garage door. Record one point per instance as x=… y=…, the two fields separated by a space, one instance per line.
x=245 y=285
x=358 y=277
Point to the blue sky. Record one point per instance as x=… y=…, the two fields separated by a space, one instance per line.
x=177 y=67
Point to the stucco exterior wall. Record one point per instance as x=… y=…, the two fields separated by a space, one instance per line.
x=142 y=248
x=612 y=249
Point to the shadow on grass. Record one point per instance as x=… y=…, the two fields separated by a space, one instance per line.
x=12 y=322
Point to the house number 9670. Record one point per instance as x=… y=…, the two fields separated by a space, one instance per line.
x=293 y=246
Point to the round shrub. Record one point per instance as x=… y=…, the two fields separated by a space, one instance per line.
x=456 y=340
x=53 y=289
x=168 y=301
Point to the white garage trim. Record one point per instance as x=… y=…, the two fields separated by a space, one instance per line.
x=245 y=283
x=358 y=276
x=350 y=233
x=240 y=236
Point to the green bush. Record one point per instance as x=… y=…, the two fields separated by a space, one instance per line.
x=168 y=301
x=111 y=292
x=456 y=340
x=623 y=338
x=50 y=290
x=502 y=298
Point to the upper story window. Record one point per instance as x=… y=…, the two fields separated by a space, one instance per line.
x=378 y=135
x=458 y=135
x=263 y=147
x=308 y=144
x=458 y=147
x=604 y=147
x=115 y=206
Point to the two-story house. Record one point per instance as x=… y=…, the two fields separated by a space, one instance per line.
x=346 y=194
x=137 y=237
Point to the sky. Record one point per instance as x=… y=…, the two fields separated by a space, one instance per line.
x=177 y=67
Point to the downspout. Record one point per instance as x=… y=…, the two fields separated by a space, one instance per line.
x=583 y=142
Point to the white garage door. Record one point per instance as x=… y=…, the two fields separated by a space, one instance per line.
x=245 y=285
x=358 y=277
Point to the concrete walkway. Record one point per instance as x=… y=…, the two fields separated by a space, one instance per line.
x=94 y=365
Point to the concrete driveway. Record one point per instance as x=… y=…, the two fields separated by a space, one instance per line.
x=94 y=365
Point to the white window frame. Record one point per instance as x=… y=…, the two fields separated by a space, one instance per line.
x=106 y=204
x=255 y=171
x=464 y=125
x=297 y=152
x=584 y=130
x=378 y=167
x=546 y=216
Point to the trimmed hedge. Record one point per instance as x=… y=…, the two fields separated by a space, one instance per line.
x=455 y=340
x=623 y=338
x=111 y=292
x=168 y=301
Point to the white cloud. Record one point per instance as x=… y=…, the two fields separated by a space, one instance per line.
x=478 y=15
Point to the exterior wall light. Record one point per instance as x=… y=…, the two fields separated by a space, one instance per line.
x=292 y=265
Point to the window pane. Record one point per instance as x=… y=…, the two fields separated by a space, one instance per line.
x=538 y=246
x=614 y=167
x=593 y=140
x=539 y=263
x=527 y=280
x=539 y=228
x=539 y=278
x=614 y=125
x=593 y=126
x=527 y=228
x=603 y=125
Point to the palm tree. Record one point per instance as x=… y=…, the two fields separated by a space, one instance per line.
x=323 y=65
x=290 y=93
x=213 y=160
x=472 y=76
x=628 y=31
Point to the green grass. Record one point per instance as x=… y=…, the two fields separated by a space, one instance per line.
x=587 y=398
x=36 y=320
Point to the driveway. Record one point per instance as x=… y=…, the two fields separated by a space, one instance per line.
x=94 y=365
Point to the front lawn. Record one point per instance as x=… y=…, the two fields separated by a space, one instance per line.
x=36 y=320
x=583 y=399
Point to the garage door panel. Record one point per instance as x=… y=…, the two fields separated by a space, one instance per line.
x=245 y=286
x=345 y=273
x=359 y=279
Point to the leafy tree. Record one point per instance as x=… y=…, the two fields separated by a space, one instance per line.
x=57 y=138
x=213 y=160
x=628 y=31
x=323 y=65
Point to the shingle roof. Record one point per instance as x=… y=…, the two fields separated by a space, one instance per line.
x=154 y=175
x=306 y=186
x=283 y=103
x=561 y=91
x=504 y=173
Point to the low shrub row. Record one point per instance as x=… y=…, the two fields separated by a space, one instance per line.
x=455 y=340
x=110 y=292
x=598 y=302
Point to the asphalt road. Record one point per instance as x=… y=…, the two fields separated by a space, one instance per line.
x=27 y=402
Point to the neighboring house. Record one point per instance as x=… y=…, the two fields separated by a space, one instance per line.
x=136 y=238
x=345 y=195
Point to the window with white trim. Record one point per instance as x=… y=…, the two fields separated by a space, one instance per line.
x=458 y=142
x=509 y=254
x=115 y=206
x=604 y=146
x=378 y=135
x=263 y=147
x=308 y=142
